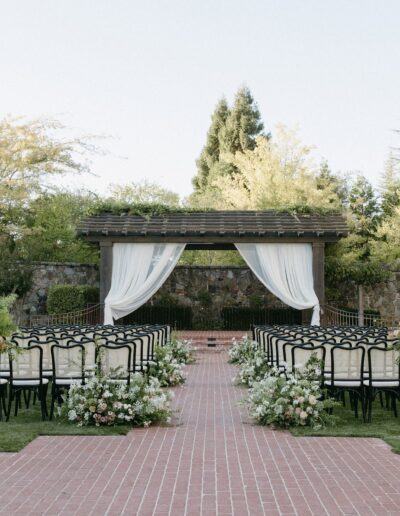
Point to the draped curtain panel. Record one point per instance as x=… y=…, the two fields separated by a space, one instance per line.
x=286 y=270
x=138 y=271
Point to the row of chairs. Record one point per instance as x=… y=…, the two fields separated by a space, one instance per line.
x=362 y=363
x=62 y=355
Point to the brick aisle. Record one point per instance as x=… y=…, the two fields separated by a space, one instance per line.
x=212 y=461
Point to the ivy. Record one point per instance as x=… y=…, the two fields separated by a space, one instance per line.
x=147 y=210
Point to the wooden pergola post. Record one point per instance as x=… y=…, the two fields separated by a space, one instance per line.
x=318 y=249
x=106 y=256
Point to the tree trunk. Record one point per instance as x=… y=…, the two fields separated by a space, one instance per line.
x=360 y=305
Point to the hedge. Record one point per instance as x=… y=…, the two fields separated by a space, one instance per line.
x=70 y=298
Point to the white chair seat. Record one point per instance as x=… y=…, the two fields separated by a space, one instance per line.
x=118 y=381
x=67 y=381
x=346 y=383
x=3 y=381
x=5 y=374
x=29 y=383
x=377 y=383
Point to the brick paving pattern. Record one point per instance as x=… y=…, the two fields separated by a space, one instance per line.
x=211 y=461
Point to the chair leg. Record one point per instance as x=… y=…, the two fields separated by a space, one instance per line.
x=17 y=402
x=10 y=398
x=53 y=400
x=43 y=406
x=394 y=406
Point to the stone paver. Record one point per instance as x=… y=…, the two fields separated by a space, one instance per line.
x=212 y=461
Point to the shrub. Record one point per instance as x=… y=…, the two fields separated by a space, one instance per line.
x=70 y=298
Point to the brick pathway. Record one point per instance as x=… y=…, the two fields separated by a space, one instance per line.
x=211 y=462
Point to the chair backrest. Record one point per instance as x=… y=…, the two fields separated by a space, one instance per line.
x=46 y=353
x=68 y=361
x=347 y=363
x=114 y=360
x=90 y=350
x=23 y=340
x=26 y=364
x=302 y=354
x=383 y=364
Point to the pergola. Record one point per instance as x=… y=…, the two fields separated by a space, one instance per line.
x=214 y=230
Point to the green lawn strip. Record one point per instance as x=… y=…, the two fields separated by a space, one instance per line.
x=384 y=426
x=21 y=430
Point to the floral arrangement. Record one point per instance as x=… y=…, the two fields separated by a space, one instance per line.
x=166 y=368
x=182 y=351
x=291 y=399
x=102 y=401
x=242 y=350
x=250 y=359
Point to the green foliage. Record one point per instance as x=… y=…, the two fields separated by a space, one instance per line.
x=70 y=298
x=243 y=124
x=204 y=297
x=15 y=276
x=52 y=220
x=390 y=188
x=210 y=154
x=7 y=325
x=231 y=130
x=31 y=154
x=145 y=210
x=144 y=193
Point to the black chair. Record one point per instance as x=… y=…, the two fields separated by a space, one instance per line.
x=68 y=366
x=26 y=375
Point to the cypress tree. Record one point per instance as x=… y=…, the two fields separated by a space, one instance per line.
x=210 y=154
x=243 y=124
x=390 y=186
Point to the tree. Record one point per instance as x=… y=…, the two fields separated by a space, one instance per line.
x=327 y=180
x=52 y=220
x=277 y=174
x=390 y=188
x=352 y=258
x=210 y=153
x=232 y=130
x=243 y=124
x=144 y=193
x=31 y=152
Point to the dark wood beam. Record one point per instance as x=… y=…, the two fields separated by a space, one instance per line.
x=106 y=256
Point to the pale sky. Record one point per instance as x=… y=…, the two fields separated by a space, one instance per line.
x=149 y=74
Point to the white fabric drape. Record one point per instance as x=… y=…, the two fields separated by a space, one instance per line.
x=138 y=271
x=286 y=270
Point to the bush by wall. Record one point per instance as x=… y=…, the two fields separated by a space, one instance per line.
x=69 y=298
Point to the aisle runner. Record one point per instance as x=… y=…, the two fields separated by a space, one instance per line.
x=210 y=462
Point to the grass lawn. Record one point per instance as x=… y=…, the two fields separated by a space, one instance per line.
x=384 y=425
x=21 y=430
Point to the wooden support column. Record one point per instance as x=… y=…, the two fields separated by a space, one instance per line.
x=106 y=250
x=318 y=256
x=318 y=249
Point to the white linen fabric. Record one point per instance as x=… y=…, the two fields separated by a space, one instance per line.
x=286 y=270
x=138 y=271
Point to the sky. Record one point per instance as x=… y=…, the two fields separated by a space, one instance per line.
x=147 y=75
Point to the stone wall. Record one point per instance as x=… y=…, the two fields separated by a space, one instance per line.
x=46 y=274
x=212 y=286
x=383 y=297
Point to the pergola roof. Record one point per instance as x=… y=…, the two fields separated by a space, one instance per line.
x=214 y=226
